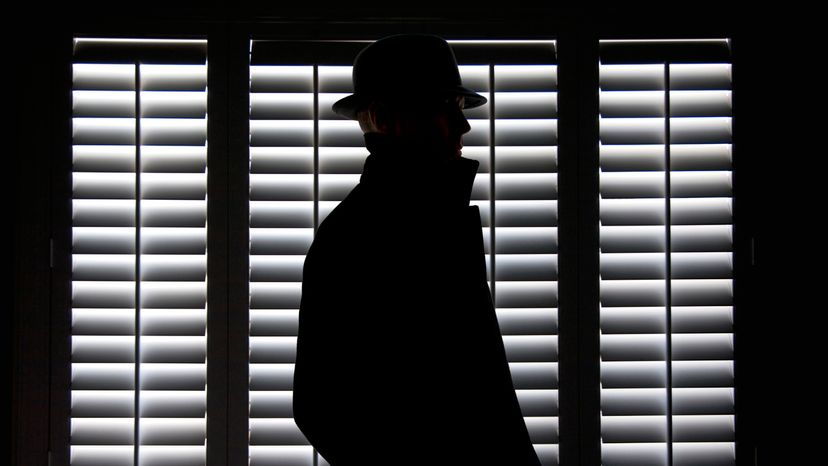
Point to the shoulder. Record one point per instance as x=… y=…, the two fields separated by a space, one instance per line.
x=343 y=219
x=340 y=230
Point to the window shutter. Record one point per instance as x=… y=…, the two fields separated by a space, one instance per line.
x=138 y=252
x=283 y=183
x=667 y=394
x=305 y=160
x=515 y=139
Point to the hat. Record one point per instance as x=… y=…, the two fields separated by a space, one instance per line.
x=405 y=68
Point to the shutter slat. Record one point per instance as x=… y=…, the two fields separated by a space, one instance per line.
x=340 y=133
x=179 y=455
x=281 y=106
x=106 y=349
x=341 y=160
x=271 y=404
x=281 y=160
x=102 y=322
x=102 y=403
x=289 y=214
x=283 y=455
x=290 y=133
x=633 y=429
x=271 y=377
x=159 y=376
x=633 y=374
x=334 y=187
x=276 y=322
x=172 y=431
x=103 y=267
x=272 y=350
x=275 y=432
x=521 y=267
x=632 y=401
x=103 y=104
x=173 y=349
x=702 y=319
x=707 y=453
x=103 y=131
x=170 y=104
x=103 y=376
x=631 y=347
x=181 y=322
x=173 y=404
x=91 y=431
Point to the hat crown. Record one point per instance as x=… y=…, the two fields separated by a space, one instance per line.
x=412 y=63
x=404 y=69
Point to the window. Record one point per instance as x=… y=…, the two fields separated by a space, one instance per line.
x=164 y=369
x=304 y=160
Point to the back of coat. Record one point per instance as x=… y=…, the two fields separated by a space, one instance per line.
x=400 y=360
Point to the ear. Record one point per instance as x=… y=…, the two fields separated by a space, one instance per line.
x=381 y=116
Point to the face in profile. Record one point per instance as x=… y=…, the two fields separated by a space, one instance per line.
x=437 y=125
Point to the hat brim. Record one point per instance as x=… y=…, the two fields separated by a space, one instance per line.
x=349 y=106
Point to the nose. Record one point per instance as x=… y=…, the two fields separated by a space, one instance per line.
x=460 y=122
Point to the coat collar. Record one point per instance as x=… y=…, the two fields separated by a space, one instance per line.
x=406 y=173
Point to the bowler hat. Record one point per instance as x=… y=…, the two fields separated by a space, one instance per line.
x=403 y=69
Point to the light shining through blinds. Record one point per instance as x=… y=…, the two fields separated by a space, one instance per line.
x=139 y=206
x=304 y=160
x=667 y=388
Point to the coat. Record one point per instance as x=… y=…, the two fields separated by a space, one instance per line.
x=400 y=360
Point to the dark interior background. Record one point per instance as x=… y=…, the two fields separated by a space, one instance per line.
x=780 y=149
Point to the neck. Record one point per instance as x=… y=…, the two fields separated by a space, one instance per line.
x=406 y=170
x=413 y=151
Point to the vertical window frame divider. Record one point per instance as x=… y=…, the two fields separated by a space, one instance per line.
x=239 y=242
x=227 y=245
x=60 y=231
x=745 y=264
x=578 y=233
x=218 y=208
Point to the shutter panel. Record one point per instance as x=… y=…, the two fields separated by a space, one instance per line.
x=666 y=254
x=138 y=253
x=524 y=236
x=305 y=160
x=282 y=221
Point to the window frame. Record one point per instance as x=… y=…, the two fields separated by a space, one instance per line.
x=577 y=38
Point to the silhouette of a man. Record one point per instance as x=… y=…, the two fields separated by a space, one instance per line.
x=399 y=359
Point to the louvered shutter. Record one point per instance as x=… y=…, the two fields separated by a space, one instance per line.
x=305 y=160
x=666 y=258
x=138 y=361
x=519 y=157
x=282 y=220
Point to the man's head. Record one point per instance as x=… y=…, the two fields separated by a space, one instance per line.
x=408 y=86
